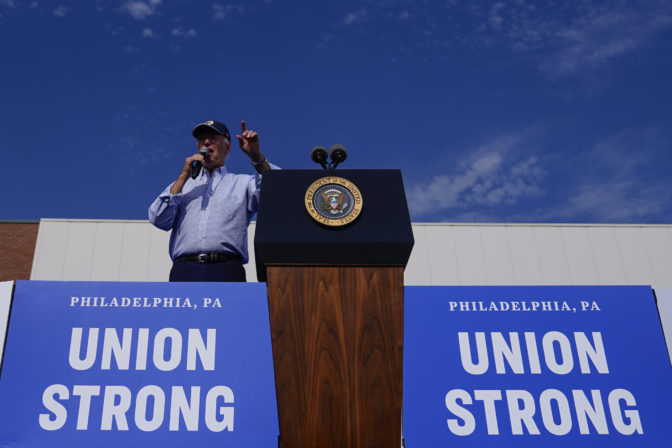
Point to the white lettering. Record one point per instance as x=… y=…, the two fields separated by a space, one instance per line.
x=512 y=352
x=593 y=351
x=113 y=410
x=196 y=345
x=481 y=353
x=175 y=349
x=188 y=409
x=634 y=424
x=141 y=355
x=585 y=411
x=57 y=409
x=565 y=424
x=85 y=393
x=566 y=363
x=76 y=345
x=212 y=412
x=122 y=351
x=467 y=417
x=488 y=397
x=521 y=415
x=155 y=421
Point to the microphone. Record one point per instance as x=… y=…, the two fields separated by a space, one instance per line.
x=196 y=166
x=319 y=155
x=337 y=154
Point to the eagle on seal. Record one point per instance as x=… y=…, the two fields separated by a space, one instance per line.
x=334 y=201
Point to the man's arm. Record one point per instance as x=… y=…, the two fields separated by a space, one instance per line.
x=164 y=208
x=248 y=140
x=177 y=186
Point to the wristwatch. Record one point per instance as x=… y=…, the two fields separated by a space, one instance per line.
x=260 y=161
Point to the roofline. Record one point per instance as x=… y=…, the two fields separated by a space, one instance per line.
x=429 y=224
x=535 y=224
x=94 y=220
x=19 y=221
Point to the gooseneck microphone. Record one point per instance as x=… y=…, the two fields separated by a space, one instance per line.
x=337 y=154
x=319 y=155
x=196 y=166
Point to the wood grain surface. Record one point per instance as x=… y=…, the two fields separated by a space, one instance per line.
x=337 y=336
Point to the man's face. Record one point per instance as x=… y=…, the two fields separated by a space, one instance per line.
x=219 y=149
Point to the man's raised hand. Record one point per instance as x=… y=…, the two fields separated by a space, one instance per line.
x=248 y=140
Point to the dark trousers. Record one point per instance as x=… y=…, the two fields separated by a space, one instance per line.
x=193 y=271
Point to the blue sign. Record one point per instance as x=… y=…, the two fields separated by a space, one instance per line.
x=138 y=364
x=535 y=366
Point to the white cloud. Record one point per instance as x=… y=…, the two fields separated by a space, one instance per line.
x=179 y=32
x=597 y=39
x=61 y=11
x=495 y=17
x=354 y=17
x=618 y=180
x=490 y=178
x=562 y=38
x=613 y=201
x=141 y=9
x=325 y=40
x=221 y=12
x=147 y=32
x=570 y=38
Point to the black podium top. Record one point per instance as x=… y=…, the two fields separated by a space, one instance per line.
x=287 y=234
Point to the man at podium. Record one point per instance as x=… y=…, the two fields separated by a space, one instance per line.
x=208 y=209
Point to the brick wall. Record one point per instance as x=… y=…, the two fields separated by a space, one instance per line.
x=17 y=247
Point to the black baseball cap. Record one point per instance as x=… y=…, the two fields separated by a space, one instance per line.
x=210 y=125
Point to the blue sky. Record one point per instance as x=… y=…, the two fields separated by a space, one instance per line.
x=504 y=111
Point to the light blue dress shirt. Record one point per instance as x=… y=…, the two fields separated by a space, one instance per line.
x=211 y=214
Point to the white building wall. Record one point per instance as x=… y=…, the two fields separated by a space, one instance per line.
x=444 y=253
x=92 y=250
x=540 y=254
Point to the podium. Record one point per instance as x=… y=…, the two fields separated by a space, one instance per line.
x=336 y=306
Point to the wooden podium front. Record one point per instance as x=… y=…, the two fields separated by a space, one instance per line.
x=336 y=302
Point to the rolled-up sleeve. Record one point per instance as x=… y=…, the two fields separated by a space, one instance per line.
x=163 y=210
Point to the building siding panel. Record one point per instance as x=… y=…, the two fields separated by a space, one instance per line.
x=159 y=264
x=417 y=272
x=469 y=250
x=636 y=261
x=50 y=251
x=135 y=252
x=580 y=257
x=658 y=242
x=497 y=255
x=552 y=256
x=80 y=251
x=608 y=258
x=107 y=248
x=444 y=254
x=526 y=270
x=443 y=257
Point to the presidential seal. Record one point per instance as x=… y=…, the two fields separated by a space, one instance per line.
x=333 y=201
